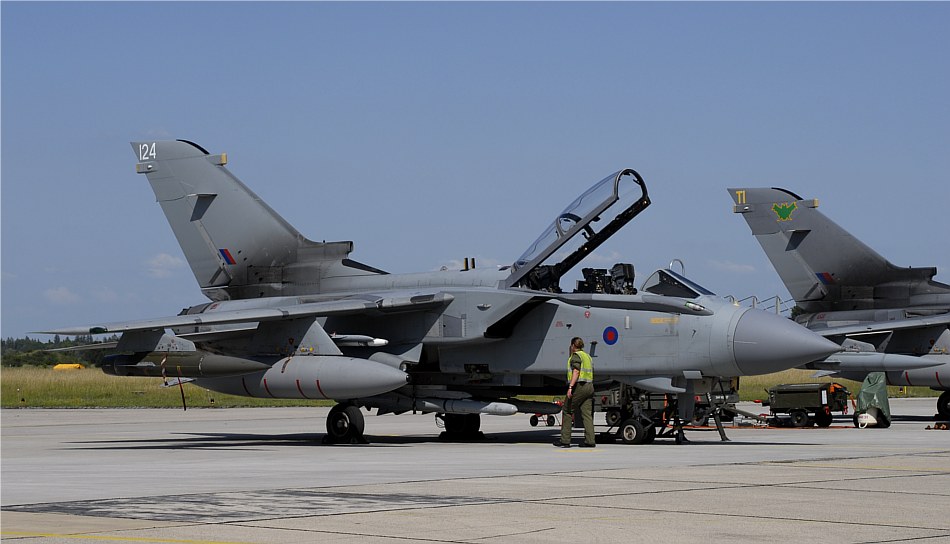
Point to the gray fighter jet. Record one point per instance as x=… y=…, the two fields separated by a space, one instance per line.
x=888 y=319
x=293 y=318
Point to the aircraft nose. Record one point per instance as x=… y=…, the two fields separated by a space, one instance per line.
x=765 y=343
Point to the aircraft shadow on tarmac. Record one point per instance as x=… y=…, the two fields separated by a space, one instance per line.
x=928 y=419
x=245 y=441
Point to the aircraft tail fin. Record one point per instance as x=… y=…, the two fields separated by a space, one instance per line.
x=822 y=265
x=236 y=245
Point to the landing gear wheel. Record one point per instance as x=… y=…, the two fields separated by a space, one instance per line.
x=943 y=405
x=700 y=417
x=799 y=418
x=613 y=417
x=345 y=424
x=533 y=421
x=464 y=426
x=650 y=434
x=551 y=421
x=823 y=419
x=632 y=432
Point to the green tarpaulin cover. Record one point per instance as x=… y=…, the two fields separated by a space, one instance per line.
x=874 y=394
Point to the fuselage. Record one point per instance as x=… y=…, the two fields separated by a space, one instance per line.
x=489 y=337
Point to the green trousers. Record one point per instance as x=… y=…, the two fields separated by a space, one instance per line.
x=581 y=401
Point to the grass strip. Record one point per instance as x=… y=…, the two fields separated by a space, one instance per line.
x=43 y=387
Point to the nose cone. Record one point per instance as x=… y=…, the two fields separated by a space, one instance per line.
x=765 y=343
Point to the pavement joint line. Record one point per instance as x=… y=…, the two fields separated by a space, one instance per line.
x=946 y=532
x=792 y=485
x=349 y=533
x=765 y=472
x=869 y=478
x=908 y=539
x=519 y=533
x=309 y=489
x=548 y=500
x=582 y=473
x=882 y=468
x=96 y=536
x=320 y=493
x=866 y=491
x=199 y=521
x=856 y=478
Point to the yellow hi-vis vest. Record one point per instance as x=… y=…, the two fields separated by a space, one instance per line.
x=587 y=368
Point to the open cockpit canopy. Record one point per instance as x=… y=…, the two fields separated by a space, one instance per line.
x=623 y=193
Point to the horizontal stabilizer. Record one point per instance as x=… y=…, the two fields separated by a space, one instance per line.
x=823 y=266
x=237 y=246
x=885 y=326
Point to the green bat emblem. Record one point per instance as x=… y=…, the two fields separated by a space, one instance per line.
x=784 y=210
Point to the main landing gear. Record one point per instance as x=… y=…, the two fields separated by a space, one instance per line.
x=345 y=425
x=943 y=405
x=636 y=431
x=461 y=427
x=636 y=416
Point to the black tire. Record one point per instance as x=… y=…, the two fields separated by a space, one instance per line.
x=533 y=421
x=454 y=423
x=551 y=421
x=613 y=417
x=700 y=417
x=462 y=424
x=473 y=422
x=943 y=405
x=855 y=419
x=823 y=419
x=345 y=422
x=799 y=418
x=632 y=432
x=651 y=434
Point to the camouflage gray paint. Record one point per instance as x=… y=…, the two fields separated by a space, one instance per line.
x=852 y=295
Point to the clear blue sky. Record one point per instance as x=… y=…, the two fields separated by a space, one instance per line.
x=428 y=132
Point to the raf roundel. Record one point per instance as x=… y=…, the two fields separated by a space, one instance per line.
x=611 y=336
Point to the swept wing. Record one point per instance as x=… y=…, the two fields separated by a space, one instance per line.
x=355 y=305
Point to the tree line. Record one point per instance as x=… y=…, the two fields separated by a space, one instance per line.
x=34 y=352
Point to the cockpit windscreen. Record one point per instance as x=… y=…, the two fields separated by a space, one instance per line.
x=579 y=229
x=671 y=284
x=596 y=198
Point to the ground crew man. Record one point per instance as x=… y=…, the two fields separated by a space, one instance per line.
x=580 y=396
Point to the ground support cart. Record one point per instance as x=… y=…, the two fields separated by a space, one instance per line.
x=805 y=404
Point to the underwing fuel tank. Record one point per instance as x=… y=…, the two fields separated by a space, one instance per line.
x=313 y=377
x=192 y=364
